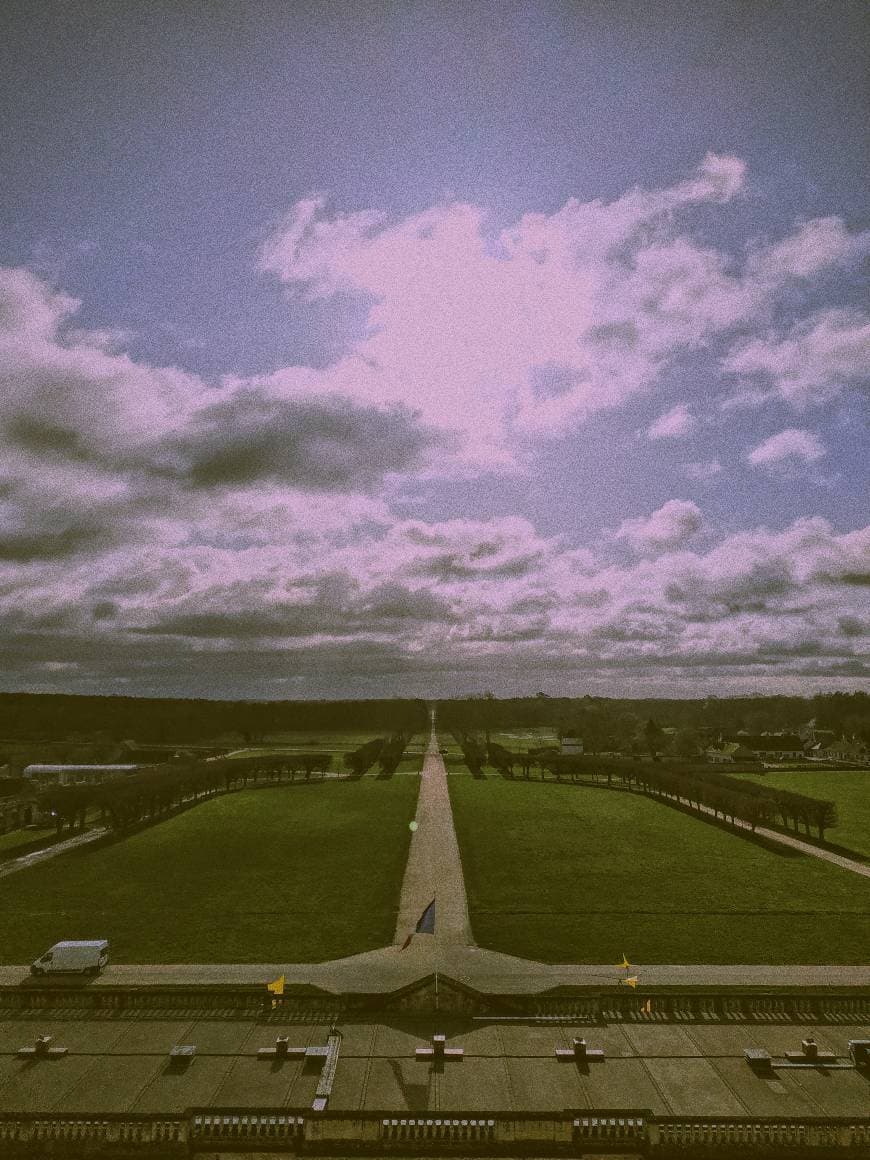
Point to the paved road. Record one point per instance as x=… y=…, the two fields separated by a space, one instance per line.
x=27 y=860
x=434 y=868
x=814 y=851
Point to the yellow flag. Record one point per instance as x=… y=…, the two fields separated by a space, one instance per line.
x=625 y=964
x=631 y=981
x=276 y=986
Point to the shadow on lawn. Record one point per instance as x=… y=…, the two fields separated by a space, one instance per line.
x=111 y=837
x=770 y=844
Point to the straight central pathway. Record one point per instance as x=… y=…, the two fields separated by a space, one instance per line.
x=434 y=868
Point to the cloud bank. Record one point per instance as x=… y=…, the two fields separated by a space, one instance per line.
x=251 y=535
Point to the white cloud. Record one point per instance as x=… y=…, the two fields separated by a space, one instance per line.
x=360 y=595
x=670 y=526
x=815 y=246
x=792 y=444
x=673 y=424
x=813 y=362
x=145 y=510
x=520 y=333
x=516 y=334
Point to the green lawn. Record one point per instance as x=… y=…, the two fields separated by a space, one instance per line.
x=412 y=762
x=849 y=788
x=294 y=874
x=581 y=874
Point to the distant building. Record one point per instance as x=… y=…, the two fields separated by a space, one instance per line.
x=728 y=752
x=850 y=751
x=810 y=733
x=45 y=775
x=770 y=746
x=571 y=744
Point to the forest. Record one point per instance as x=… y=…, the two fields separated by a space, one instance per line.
x=603 y=723
x=56 y=717
x=616 y=724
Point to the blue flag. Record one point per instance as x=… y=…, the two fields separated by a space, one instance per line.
x=425 y=925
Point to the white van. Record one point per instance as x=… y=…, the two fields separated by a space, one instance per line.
x=86 y=958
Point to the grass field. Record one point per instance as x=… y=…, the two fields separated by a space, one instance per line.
x=849 y=788
x=294 y=874
x=581 y=874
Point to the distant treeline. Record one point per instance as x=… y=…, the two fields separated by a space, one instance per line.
x=30 y=716
x=606 y=723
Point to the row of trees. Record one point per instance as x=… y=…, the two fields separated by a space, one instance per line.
x=505 y=760
x=361 y=760
x=153 y=792
x=473 y=753
x=792 y=809
x=696 y=786
x=735 y=798
x=392 y=753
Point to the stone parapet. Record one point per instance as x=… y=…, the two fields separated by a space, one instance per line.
x=636 y=1131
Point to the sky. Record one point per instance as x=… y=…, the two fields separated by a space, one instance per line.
x=375 y=349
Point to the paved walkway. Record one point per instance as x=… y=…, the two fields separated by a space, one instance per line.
x=43 y=855
x=813 y=851
x=434 y=868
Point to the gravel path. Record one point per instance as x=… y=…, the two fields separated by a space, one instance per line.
x=43 y=855
x=434 y=868
x=813 y=851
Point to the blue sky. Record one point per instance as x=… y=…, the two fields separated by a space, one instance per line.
x=317 y=308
